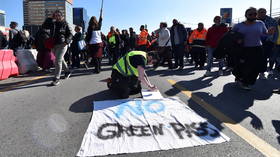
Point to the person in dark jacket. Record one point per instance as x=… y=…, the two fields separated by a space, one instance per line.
x=132 y=39
x=3 y=40
x=62 y=37
x=178 y=36
x=12 y=33
x=125 y=41
x=75 y=48
x=268 y=42
x=231 y=47
x=45 y=58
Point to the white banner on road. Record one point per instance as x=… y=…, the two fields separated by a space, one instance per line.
x=130 y=126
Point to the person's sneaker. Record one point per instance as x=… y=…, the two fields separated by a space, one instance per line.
x=181 y=67
x=221 y=73
x=97 y=71
x=276 y=91
x=244 y=86
x=55 y=82
x=208 y=73
x=270 y=72
x=67 y=74
x=262 y=76
x=228 y=69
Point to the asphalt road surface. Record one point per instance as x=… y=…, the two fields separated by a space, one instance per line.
x=38 y=120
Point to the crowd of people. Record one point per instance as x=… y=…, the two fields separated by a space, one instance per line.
x=248 y=49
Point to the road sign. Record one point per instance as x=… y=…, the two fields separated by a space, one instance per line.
x=226 y=14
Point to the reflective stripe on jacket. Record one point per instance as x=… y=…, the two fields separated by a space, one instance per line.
x=130 y=71
x=201 y=35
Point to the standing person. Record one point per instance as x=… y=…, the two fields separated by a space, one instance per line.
x=94 y=41
x=277 y=52
x=276 y=57
x=62 y=37
x=197 y=41
x=125 y=39
x=129 y=72
x=268 y=41
x=45 y=57
x=214 y=34
x=75 y=48
x=142 y=39
x=132 y=39
x=3 y=40
x=114 y=44
x=178 y=36
x=12 y=33
x=251 y=58
x=164 y=44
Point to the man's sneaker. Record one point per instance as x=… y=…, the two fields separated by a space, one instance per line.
x=67 y=74
x=181 y=67
x=276 y=91
x=55 y=82
x=208 y=73
x=262 y=76
x=221 y=73
x=270 y=72
x=228 y=69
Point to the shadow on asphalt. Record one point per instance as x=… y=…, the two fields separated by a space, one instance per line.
x=167 y=72
x=232 y=101
x=16 y=85
x=276 y=124
x=189 y=69
x=25 y=84
x=192 y=85
x=86 y=104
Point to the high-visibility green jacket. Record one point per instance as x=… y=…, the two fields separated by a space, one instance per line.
x=112 y=40
x=130 y=70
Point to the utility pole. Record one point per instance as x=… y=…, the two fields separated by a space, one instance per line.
x=270 y=8
x=101 y=10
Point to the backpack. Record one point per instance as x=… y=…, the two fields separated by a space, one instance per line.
x=19 y=40
x=231 y=41
x=3 y=41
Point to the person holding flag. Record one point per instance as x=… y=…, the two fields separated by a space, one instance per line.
x=94 y=41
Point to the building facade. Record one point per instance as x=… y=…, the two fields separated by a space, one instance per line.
x=36 y=11
x=2 y=18
x=80 y=18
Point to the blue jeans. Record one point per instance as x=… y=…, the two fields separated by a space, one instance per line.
x=210 y=60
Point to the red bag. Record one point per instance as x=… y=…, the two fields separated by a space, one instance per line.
x=49 y=43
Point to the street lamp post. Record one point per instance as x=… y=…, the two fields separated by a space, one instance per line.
x=270 y=8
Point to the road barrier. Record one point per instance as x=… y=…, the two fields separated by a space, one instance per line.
x=8 y=66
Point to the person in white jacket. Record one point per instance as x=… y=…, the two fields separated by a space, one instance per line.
x=164 y=45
